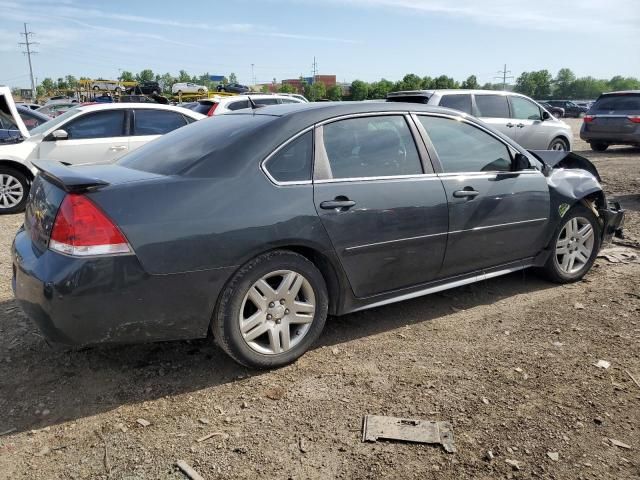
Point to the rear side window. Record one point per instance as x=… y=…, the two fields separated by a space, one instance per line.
x=618 y=103
x=105 y=124
x=457 y=102
x=464 y=148
x=292 y=163
x=525 y=109
x=492 y=106
x=202 y=107
x=371 y=147
x=238 y=105
x=266 y=101
x=156 y=122
x=288 y=100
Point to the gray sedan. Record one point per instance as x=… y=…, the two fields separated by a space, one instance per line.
x=255 y=226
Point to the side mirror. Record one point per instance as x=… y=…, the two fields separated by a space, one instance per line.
x=520 y=162
x=545 y=116
x=60 y=134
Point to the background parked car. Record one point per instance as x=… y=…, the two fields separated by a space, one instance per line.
x=32 y=106
x=188 y=87
x=145 y=88
x=233 y=88
x=31 y=119
x=219 y=105
x=614 y=119
x=555 y=111
x=84 y=134
x=198 y=231
x=512 y=114
x=56 y=109
x=571 y=109
x=109 y=85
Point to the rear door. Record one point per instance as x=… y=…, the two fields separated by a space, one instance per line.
x=383 y=208
x=493 y=109
x=496 y=216
x=93 y=137
x=531 y=132
x=149 y=124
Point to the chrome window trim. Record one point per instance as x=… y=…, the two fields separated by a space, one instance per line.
x=445 y=286
x=265 y=170
x=423 y=176
x=358 y=115
x=491 y=174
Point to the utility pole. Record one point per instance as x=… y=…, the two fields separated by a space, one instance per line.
x=253 y=76
x=503 y=75
x=314 y=70
x=28 y=53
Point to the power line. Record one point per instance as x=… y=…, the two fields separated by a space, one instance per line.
x=503 y=75
x=28 y=53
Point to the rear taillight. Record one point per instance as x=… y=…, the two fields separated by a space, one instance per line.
x=82 y=229
x=634 y=118
x=212 y=109
x=589 y=118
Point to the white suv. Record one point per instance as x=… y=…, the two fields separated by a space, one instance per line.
x=222 y=104
x=514 y=115
x=188 y=87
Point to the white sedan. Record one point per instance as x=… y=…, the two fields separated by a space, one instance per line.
x=84 y=134
x=187 y=87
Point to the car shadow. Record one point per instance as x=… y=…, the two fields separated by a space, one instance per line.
x=41 y=385
x=620 y=151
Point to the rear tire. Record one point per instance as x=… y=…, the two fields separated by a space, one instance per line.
x=272 y=310
x=598 y=147
x=574 y=247
x=14 y=190
x=559 y=144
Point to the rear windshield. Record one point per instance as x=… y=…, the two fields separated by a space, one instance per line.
x=618 y=103
x=206 y=143
x=202 y=107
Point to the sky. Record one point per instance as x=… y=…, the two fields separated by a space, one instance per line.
x=353 y=39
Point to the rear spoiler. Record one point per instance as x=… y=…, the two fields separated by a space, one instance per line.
x=560 y=159
x=67 y=178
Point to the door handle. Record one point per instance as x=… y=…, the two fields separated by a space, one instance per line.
x=338 y=203
x=520 y=125
x=510 y=125
x=466 y=193
x=118 y=148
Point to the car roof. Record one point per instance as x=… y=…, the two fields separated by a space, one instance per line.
x=452 y=91
x=257 y=96
x=622 y=92
x=147 y=106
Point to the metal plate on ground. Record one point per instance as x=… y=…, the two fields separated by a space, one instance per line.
x=376 y=427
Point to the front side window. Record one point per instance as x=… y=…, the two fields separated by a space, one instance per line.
x=156 y=122
x=292 y=163
x=461 y=147
x=457 y=102
x=105 y=124
x=371 y=147
x=492 y=106
x=525 y=109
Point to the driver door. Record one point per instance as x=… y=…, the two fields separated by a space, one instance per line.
x=95 y=137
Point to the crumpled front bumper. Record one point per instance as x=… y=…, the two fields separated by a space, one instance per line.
x=613 y=218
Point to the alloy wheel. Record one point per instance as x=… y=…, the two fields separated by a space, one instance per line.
x=277 y=312
x=558 y=145
x=11 y=191
x=575 y=245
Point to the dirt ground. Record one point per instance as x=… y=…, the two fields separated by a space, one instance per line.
x=509 y=362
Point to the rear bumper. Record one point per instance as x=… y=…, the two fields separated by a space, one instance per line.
x=80 y=301
x=613 y=218
x=611 y=137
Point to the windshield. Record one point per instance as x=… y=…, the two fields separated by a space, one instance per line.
x=618 y=103
x=54 y=122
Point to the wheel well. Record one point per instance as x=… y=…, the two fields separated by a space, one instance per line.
x=22 y=168
x=562 y=137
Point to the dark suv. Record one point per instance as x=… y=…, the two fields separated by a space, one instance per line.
x=145 y=88
x=613 y=119
x=571 y=109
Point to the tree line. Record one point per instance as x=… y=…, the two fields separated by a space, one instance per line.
x=538 y=84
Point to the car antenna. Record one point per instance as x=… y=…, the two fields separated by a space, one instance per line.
x=254 y=105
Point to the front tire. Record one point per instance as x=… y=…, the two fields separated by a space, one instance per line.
x=272 y=310
x=574 y=247
x=598 y=147
x=14 y=190
x=559 y=144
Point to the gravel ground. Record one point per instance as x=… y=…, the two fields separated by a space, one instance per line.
x=509 y=362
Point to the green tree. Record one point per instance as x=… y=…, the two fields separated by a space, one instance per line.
x=334 y=92
x=286 y=88
x=534 y=84
x=445 y=82
x=359 y=90
x=233 y=78
x=471 y=82
x=379 y=90
x=315 y=91
x=265 y=89
x=61 y=84
x=563 y=83
x=72 y=81
x=126 y=76
x=183 y=76
x=427 y=83
x=624 y=83
x=166 y=80
x=589 y=87
x=410 y=81
x=145 y=76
